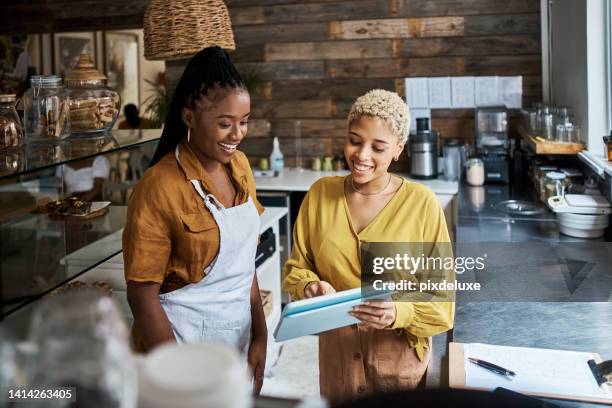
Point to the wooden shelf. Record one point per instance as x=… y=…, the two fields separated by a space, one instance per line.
x=541 y=146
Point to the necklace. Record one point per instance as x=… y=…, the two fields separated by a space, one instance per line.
x=355 y=189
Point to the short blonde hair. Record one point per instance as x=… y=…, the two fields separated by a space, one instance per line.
x=387 y=106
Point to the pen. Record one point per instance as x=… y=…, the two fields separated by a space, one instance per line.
x=492 y=367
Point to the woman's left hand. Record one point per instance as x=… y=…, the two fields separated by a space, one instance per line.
x=375 y=314
x=257 y=362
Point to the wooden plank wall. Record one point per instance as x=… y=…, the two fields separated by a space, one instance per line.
x=317 y=56
x=48 y=16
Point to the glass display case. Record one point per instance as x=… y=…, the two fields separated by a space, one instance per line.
x=41 y=248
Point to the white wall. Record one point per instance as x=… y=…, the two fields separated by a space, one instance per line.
x=598 y=78
x=578 y=68
x=569 y=81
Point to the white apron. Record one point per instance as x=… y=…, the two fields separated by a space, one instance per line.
x=218 y=308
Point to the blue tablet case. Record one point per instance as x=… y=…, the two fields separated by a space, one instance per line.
x=322 y=313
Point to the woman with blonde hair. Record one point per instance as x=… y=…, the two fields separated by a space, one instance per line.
x=391 y=346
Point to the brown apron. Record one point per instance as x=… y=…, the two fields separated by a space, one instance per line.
x=354 y=362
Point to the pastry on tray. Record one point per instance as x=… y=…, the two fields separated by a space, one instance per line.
x=103 y=286
x=73 y=206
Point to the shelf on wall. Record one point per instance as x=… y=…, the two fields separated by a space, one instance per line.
x=542 y=146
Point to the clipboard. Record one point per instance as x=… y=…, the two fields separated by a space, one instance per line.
x=457 y=373
x=322 y=313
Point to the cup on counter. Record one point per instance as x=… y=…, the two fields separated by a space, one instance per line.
x=264 y=164
x=561 y=134
x=574 y=134
x=547 y=126
x=328 y=163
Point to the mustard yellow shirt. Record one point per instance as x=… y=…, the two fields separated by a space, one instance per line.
x=325 y=247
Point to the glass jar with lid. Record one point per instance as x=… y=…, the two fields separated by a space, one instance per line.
x=94 y=106
x=46 y=116
x=555 y=185
x=474 y=172
x=11 y=133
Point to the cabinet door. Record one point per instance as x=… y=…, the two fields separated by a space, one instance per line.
x=449 y=205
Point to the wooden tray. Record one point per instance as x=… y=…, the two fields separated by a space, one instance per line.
x=541 y=146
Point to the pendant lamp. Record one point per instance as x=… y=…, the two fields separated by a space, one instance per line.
x=175 y=29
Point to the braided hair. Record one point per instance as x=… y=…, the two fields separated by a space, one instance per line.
x=209 y=68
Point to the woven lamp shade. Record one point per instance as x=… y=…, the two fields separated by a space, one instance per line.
x=175 y=29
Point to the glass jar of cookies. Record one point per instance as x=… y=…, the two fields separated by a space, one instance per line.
x=94 y=106
x=11 y=133
x=46 y=111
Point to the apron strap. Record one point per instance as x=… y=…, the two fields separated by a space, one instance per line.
x=208 y=198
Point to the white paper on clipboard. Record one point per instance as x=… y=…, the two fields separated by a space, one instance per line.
x=538 y=371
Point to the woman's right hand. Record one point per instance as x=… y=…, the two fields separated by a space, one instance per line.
x=321 y=288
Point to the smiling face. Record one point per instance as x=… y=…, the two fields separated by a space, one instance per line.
x=370 y=149
x=218 y=123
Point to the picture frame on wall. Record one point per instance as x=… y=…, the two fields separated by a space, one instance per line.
x=20 y=58
x=67 y=47
x=121 y=65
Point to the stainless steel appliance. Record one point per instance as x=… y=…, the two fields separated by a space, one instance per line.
x=492 y=143
x=496 y=167
x=492 y=128
x=423 y=151
x=455 y=155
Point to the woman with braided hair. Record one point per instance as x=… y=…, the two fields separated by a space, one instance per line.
x=193 y=222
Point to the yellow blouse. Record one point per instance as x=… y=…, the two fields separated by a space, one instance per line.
x=325 y=247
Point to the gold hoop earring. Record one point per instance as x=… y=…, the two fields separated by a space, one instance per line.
x=188 y=134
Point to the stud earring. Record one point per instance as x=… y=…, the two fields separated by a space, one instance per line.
x=396 y=158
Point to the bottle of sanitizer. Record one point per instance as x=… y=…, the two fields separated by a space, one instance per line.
x=277 y=160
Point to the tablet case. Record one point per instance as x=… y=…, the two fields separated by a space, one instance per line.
x=322 y=313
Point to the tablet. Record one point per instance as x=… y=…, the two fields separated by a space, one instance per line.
x=322 y=313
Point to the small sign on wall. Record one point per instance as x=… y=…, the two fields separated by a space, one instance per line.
x=487 y=91
x=464 y=92
x=439 y=92
x=417 y=93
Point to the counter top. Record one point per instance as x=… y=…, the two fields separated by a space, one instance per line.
x=270 y=216
x=579 y=326
x=597 y=162
x=479 y=221
x=292 y=179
